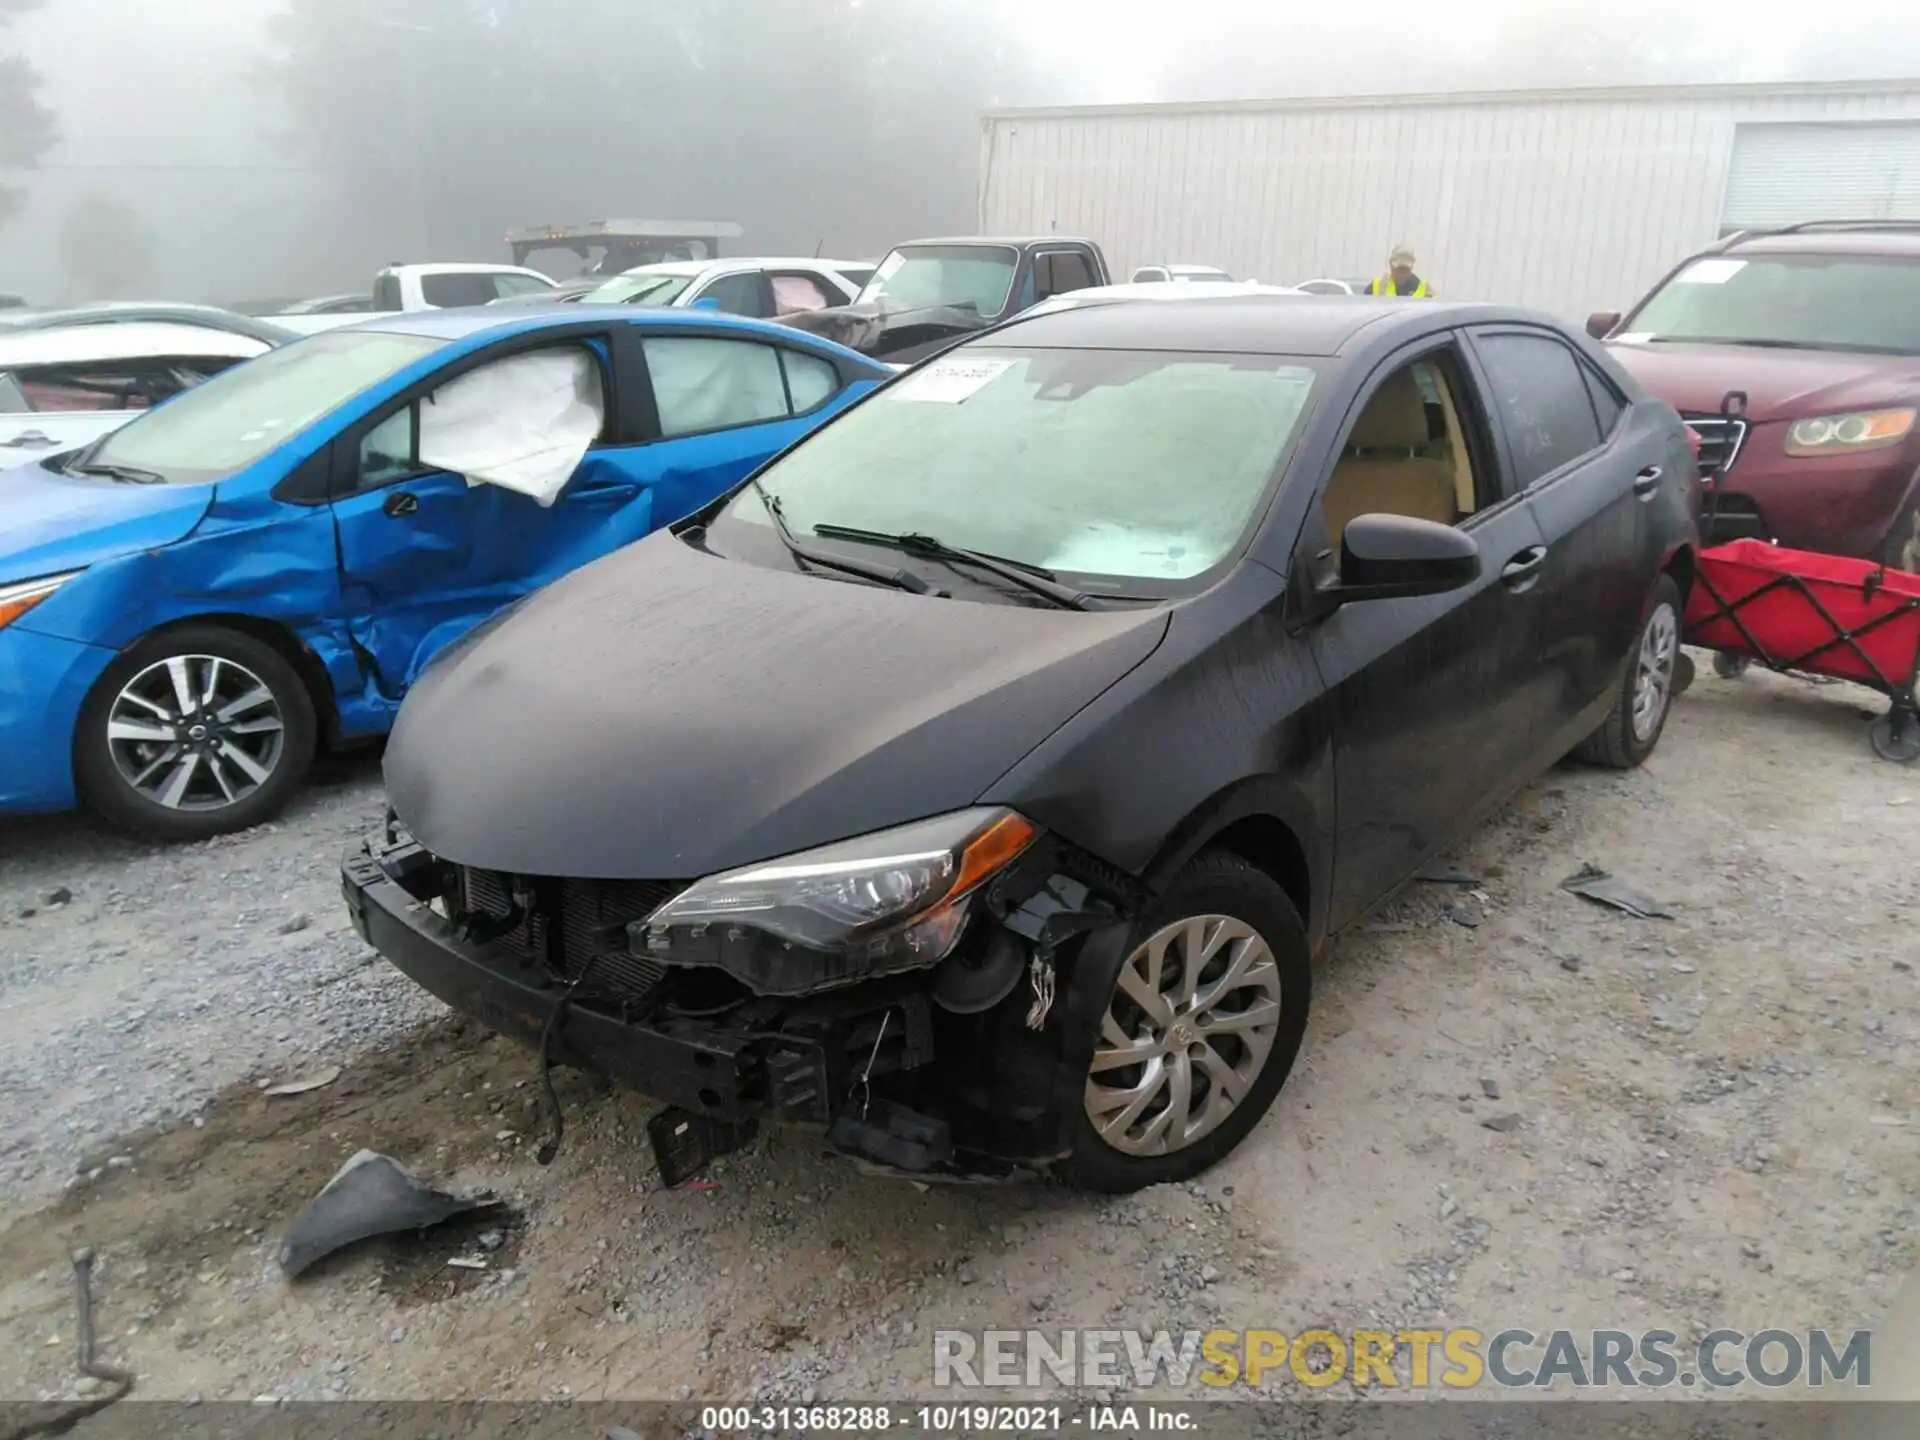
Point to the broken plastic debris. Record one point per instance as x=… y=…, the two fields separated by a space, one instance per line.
x=371 y=1195
x=1447 y=875
x=1592 y=883
x=466 y=1262
x=319 y=1080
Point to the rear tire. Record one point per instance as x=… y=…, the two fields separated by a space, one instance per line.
x=1639 y=715
x=194 y=732
x=1216 y=1045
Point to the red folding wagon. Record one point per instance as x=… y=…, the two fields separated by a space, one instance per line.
x=1756 y=603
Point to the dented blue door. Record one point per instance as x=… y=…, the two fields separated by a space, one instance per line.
x=425 y=556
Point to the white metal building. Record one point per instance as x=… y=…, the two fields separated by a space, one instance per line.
x=1570 y=201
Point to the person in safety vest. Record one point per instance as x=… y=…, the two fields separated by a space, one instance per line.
x=1400 y=279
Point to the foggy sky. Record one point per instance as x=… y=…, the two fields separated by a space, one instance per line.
x=165 y=106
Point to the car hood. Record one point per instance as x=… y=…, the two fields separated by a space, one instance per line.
x=665 y=714
x=886 y=333
x=1780 y=384
x=51 y=522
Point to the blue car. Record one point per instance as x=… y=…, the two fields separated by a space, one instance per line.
x=195 y=603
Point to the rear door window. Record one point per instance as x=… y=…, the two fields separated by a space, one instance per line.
x=740 y=294
x=1608 y=407
x=450 y=291
x=1063 y=271
x=793 y=292
x=1540 y=396
x=701 y=383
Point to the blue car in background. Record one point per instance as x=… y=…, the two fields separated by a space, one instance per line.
x=195 y=603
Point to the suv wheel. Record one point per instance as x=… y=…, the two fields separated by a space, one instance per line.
x=195 y=732
x=1639 y=715
x=1186 y=1043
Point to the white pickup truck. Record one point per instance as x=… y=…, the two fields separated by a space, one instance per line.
x=448 y=285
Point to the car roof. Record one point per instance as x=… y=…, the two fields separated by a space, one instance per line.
x=733 y=263
x=1160 y=290
x=1017 y=241
x=131 y=312
x=464 y=267
x=1887 y=242
x=487 y=322
x=1260 y=323
x=127 y=340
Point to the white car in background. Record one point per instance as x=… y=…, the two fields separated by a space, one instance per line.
x=1180 y=274
x=449 y=285
x=760 y=287
x=64 y=387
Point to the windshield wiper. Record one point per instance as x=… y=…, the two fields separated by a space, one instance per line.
x=883 y=574
x=1031 y=578
x=127 y=474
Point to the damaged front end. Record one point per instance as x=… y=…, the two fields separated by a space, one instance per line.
x=897 y=336
x=895 y=991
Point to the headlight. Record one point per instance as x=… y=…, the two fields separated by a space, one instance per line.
x=882 y=903
x=16 y=600
x=1848 y=434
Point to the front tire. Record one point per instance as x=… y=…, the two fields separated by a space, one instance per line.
x=1639 y=714
x=194 y=732
x=1186 y=1042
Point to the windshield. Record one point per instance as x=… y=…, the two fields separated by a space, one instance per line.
x=1124 y=464
x=638 y=290
x=1816 y=302
x=233 y=419
x=976 y=276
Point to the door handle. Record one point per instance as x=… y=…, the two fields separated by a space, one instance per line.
x=401 y=502
x=1523 y=569
x=1647 y=481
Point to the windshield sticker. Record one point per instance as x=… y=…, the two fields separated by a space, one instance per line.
x=948 y=382
x=1710 y=272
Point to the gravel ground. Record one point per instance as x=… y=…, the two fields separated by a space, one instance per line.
x=1513 y=1107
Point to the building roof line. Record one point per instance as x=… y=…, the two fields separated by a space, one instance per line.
x=1586 y=94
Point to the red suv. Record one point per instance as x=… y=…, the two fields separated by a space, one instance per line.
x=1818 y=325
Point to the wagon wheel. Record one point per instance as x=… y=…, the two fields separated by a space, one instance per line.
x=1896 y=736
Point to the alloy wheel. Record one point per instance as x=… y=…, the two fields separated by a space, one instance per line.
x=196 y=732
x=1187 y=1031
x=1653 y=672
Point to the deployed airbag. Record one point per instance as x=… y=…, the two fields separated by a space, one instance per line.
x=523 y=423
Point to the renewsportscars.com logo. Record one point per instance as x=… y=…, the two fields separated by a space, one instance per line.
x=1458 y=1359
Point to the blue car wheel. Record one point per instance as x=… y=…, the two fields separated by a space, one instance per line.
x=195 y=732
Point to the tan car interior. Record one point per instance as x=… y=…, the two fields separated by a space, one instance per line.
x=1407 y=455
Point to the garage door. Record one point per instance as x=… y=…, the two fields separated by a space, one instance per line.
x=1786 y=173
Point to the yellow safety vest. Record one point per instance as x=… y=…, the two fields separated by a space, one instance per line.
x=1385 y=286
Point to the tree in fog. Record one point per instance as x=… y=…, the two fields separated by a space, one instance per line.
x=846 y=124
x=26 y=126
x=106 y=251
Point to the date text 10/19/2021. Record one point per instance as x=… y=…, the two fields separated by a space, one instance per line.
x=944 y=1419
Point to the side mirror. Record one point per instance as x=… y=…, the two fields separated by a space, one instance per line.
x=705 y=302
x=1386 y=557
x=1602 y=323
